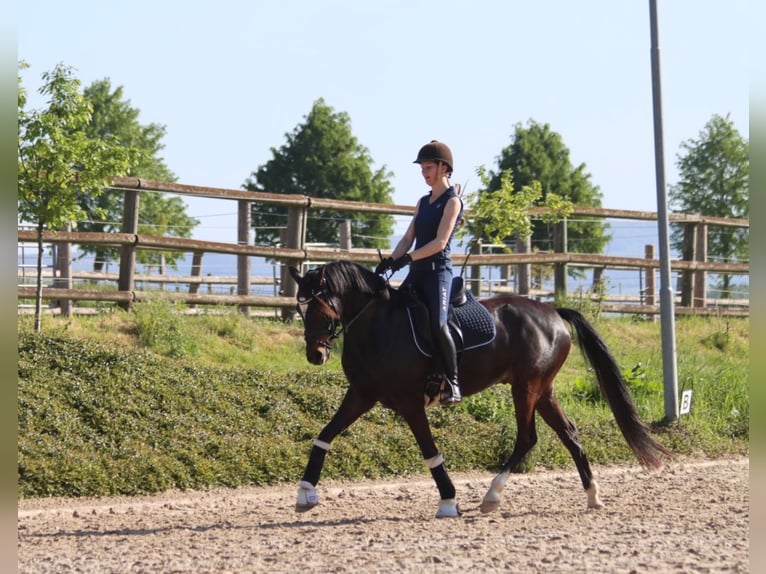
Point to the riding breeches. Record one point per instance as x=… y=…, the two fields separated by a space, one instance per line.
x=433 y=282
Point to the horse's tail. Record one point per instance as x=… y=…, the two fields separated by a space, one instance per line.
x=648 y=451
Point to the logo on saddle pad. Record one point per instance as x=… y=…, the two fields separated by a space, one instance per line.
x=470 y=323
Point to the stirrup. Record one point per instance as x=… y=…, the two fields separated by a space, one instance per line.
x=455 y=396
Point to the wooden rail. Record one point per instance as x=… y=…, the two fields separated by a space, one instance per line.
x=295 y=251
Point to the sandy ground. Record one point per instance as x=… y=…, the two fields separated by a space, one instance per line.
x=692 y=516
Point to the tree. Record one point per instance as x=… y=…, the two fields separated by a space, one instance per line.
x=497 y=214
x=322 y=158
x=714 y=176
x=162 y=215
x=58 y=162
x=538 y=154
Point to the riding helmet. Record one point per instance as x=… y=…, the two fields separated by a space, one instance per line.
x=435 y=151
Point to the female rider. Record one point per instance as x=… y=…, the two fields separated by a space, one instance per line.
x=432 y=227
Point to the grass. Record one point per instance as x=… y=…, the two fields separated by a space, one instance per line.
x=152 y=399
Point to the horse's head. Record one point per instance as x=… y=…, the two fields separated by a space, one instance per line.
x=321 y=321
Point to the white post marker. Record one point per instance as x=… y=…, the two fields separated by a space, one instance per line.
x=686 y=402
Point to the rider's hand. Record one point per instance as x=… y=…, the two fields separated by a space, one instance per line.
x=405 y=259
x=384 y=265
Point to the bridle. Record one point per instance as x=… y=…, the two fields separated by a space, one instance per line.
x=335 y=327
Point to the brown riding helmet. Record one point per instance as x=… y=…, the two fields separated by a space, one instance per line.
x=435 y=151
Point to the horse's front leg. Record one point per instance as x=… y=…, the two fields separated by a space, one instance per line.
x=352 y=407
x=418 y=423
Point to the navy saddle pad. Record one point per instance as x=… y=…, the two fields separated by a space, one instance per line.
x=471 y=318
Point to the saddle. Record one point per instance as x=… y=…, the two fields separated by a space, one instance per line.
x=470 y=324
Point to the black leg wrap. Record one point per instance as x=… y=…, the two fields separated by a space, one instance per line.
x=443 y=482
x=314 y=466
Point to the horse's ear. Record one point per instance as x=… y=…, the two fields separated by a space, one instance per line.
x=295 y=274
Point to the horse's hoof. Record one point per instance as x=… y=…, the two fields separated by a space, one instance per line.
x=491 y=500
x=307 y=497
x=303 y=507
x=488 y=506
x=448 y=509
x=594 y=502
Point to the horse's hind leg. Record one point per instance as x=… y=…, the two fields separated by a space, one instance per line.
x=552 y=413
x=526 y=438
x=352 y=407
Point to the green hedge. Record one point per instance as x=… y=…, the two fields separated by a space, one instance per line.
x=100 y=420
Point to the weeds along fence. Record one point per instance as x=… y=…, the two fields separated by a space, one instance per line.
x=521 y=271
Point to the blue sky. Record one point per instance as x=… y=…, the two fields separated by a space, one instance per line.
x=230 y=79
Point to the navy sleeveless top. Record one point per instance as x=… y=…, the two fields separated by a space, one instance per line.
x=427 y=222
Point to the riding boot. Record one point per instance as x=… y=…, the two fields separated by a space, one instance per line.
x=449 y=360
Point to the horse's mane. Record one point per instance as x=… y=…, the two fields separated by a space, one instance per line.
x=344 y=277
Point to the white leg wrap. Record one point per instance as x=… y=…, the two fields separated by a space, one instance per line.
x=307 y=497
x=434 y=461
x=448 y=509
x=593 y=500
x=321 y=444
x=491 y=500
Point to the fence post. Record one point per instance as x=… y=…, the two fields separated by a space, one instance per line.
x=560 y=269
x=294 y=238
x=62 y=273
x=688 y=254
x=700 y=277
x=650 y=289
x=523 y=270
x=506 y=274
x=196 y=271
x=475 y=283
x=126 y=281
x=163 y=270
x=597 y=283
x=243 y=261
x=345 y=234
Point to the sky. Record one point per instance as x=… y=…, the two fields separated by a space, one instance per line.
x=230 y=79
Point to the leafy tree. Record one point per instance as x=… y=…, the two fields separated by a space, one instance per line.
x=538 y=154
x=322 y=158
x=58 y=162
x=497 y=214
x=159 y=214
x=164 y=216
x=714 y=172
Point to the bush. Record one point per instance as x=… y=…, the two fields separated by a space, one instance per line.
x=99 y=418
x=160 y=326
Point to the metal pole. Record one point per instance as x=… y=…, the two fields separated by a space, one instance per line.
x=243 y=261
x=667 y=311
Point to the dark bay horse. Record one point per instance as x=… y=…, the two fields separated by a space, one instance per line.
x=383 y=365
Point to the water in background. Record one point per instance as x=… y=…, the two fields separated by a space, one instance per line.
x=629 y=239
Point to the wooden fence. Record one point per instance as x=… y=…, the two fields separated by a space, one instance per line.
x=692 y=269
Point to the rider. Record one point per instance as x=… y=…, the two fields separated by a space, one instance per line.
x=431 y=229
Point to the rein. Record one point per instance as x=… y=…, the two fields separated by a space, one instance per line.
x=347 y=326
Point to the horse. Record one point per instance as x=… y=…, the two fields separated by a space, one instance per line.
x=382 y=365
